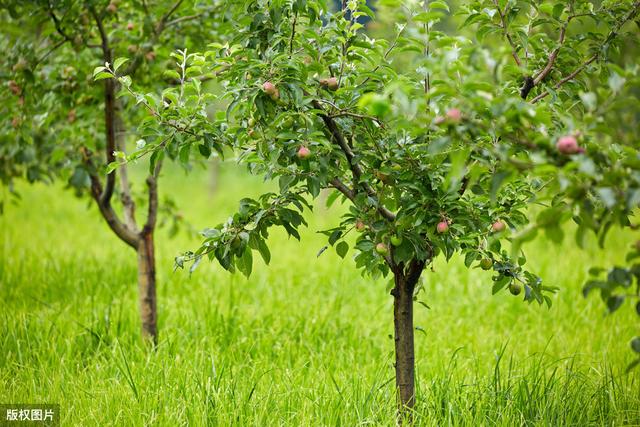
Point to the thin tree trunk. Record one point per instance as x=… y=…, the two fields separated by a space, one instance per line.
x=403 y=334
x=147 y=287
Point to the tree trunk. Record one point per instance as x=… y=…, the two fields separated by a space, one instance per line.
x=147 y=287
x=405 y=366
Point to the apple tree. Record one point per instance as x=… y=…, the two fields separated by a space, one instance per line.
x=591 y=85
x=58 y=123
x=429 y=139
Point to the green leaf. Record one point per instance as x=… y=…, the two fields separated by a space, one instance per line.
x=264 y=251
x=98 y=70
x=342 y=248
x=102 y=75
x=614 y=302
x=118 y=63
x=245 y=262
x=619 y=277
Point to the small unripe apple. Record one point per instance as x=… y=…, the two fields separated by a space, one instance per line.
x=396 y=240
x=130 y=26
x=454 y=115
x=568 y=144
x=439 y=120
x=20 y=64
x=360 y=226
x=269 y=88
x=253 y=134
x=15 y=122
x=382 y=177
x=251 y=122
x=486 y=263
x=112 y=8
x=382 y=249
x=515 y=288
x=150 y=56
x=303 y=152
x=71 y=116
x=14 y=87
x=498 y=226
x=332 y=83
x=132 y=48
x=442 y=227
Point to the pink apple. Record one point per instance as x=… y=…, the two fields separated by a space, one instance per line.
x=303 y=152
x=498 y=226
x=568 y=144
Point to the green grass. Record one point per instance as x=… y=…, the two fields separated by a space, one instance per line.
x=304 y=342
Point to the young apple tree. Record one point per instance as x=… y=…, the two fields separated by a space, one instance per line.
x=57 y=122
x=428 y=138
x=591 y=86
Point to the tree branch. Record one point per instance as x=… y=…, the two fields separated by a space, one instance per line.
x=612 y=35
x=130 y=237
x=109 y=112
x=57 y=25
x=514 y=48
x=552 y=58
x=356 y=171
x=341 y=187
x=157 y=31
x=129 y=207
x=567 y=78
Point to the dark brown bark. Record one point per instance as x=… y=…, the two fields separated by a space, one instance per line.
x=147 y=288
x=405 y=282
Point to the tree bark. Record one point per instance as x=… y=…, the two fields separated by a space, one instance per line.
x=405 y=282
x=405 y=358
x=147 y=287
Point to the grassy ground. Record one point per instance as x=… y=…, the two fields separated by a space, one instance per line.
x=304 y=342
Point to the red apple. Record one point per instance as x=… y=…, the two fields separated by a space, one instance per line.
x=498 y=226
x=112 y=8
x=130 y=26
x=332 y=83
x=360 y=226
x=269 y=88
x=442 y=227
x=454 y=115
x=382 y=249
x=303 y=152
x=568 y=144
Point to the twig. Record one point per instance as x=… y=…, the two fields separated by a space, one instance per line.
x=567 y=78
x=356 y=171
x=514 y=48
x=612 y=35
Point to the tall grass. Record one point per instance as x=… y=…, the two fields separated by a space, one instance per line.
x=305 y=341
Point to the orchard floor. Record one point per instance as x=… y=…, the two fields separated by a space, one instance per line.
x=304 y=342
